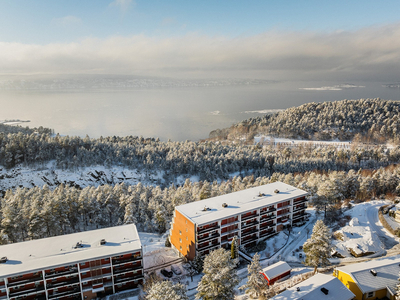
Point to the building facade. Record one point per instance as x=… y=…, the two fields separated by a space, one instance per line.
x=84 y=265
x=370 y=280
x=252 y=215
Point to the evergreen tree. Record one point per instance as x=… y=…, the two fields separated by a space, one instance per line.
x=318 y=247
x=256 y=282
x=167 y=290
x=234 y=248
x=220 y=277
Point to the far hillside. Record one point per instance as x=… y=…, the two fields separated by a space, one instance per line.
x=373 y=120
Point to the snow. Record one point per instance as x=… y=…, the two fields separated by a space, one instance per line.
x=296 y=142
x=84 y=176
x=358 y=237
x=60 y=250
x=238 y=202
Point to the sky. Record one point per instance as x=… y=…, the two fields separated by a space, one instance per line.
x=202 y=39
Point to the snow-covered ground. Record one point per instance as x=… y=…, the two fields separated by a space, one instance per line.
x=82 y=177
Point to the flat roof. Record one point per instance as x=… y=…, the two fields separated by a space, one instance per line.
x=59 y=250
x=310 y=289
x=276 y=269
x=238 y=202
x=387 y=273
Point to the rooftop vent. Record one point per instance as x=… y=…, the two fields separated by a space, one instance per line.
x=298 y=289
x=224 y=205
x=3 y=260
x=206 y=208
x=325 y=291
x=78 y=245
x=102 y=242
x=373 y=272
x=276 y=191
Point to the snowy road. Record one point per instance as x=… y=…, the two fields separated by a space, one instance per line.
x=372 y=215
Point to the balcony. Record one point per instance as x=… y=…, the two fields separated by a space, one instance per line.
x=244 y=217
x=26 y=291
x=209 y=237
x=246 y=233
x=299 y=201
x=267 y=226
x=74 y=291
x=298 y=216
x=248 y=224
x=39 y=295
x=125 y=260
x=267 y=218
x=230 y=231
x=296 y=208
x=229 y=224
x=280 y=221
x=126 y=279
x=270 y=210
x=207 y=246
x=210 y=249
x=62 y=283
x=249 y=239
x=25 y=281
x=55 y=274
x=126 y=270
x=207 y=229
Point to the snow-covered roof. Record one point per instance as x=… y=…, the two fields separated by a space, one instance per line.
x=387 y=273
x=238 y=202
x=60 y=250
x=277 y=269
x=310 y=289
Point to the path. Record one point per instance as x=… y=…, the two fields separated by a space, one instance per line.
x=372 y=215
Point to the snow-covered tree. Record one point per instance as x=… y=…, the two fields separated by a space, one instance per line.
x=234 y=248
x=256 y=282
x=318 y=247
x=220 y=277
x=167 y=290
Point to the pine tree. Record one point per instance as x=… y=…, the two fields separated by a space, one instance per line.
x=220 y=277
x=163 y=289
x=256 y=282
x=234 y=248
x=318 y=247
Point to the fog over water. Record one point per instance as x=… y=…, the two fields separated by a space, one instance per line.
x=173 y=112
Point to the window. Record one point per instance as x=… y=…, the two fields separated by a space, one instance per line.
x=180 y=232
x=370 y=295
x=186 y=221
x=186 y=230
x=187 y=238
x=180 y=248
x=180 y=240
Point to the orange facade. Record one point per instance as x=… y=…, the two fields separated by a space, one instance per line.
x=183 y=235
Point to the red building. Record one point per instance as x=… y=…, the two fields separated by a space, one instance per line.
x=83 y=265
x=277 y=272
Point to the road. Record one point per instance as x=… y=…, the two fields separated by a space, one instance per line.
x=372 y=214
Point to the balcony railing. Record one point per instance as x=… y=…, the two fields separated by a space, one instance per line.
x=298 y=216
x=268 y=218
x=271 y=210
x=296 y=208
x=244 y=217
x=210 y=249
x=125 y=260
x=249 y=239
x=119 y=270
x=267 y=233
x=248 y=224
x=125 y=279
x=229 y=231
x=61 y=283
x=60 y=273
x=246 y=233
x=25 y=281
x=199 y=231
x=209 y=237
x=27 y=291
x=229 y=224
x=299 y=201
x=207 y=246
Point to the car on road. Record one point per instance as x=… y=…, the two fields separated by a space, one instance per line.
x=166 y=273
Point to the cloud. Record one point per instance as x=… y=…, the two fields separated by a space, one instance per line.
x=123 y=5
x=338 y=87
x=66 y=21
x=364 y=54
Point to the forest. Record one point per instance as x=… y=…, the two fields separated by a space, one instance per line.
x=375 y=120
x=330 y=174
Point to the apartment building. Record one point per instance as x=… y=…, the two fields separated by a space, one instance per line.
x=252 y=215
x=83 y=265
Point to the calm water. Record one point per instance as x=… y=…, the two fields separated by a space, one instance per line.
x=168 y=113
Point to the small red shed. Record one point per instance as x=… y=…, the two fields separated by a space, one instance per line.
x=277 y=272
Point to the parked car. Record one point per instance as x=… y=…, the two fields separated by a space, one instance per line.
x=300 y=255
x=176 y=270
x=166 y=273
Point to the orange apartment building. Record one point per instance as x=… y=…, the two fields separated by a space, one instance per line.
x=83 y=265
x=252 y=215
